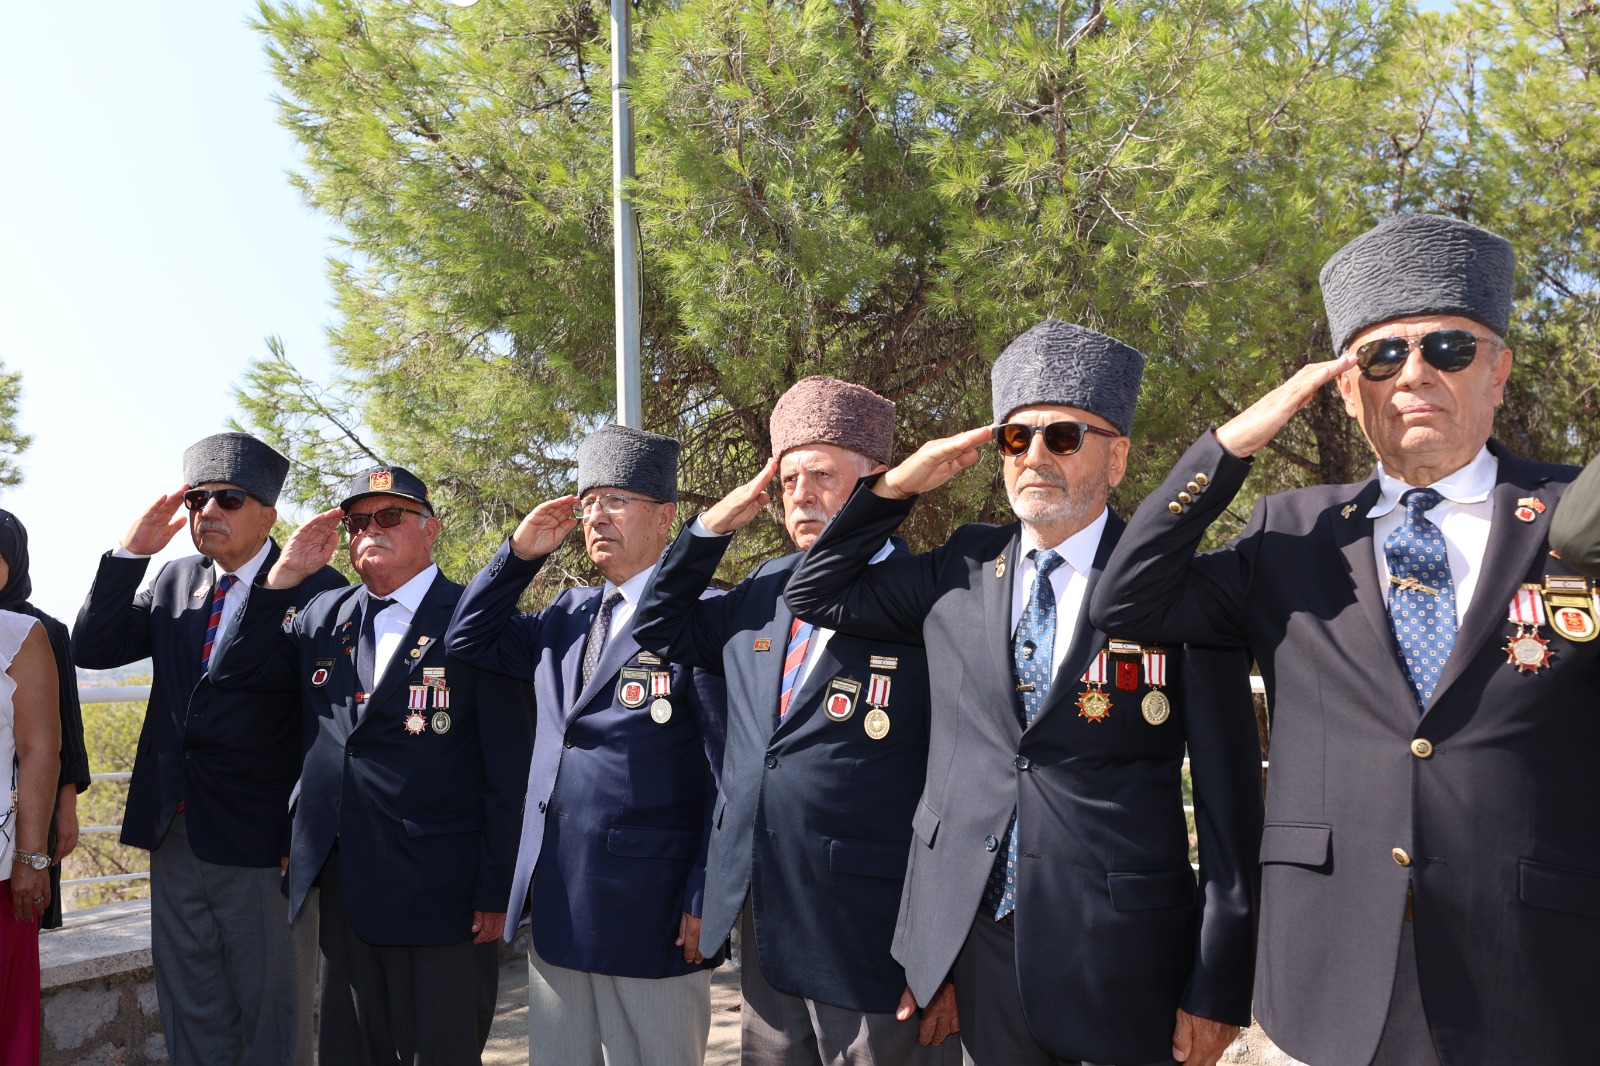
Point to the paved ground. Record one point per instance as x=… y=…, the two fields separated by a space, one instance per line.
x=508 y=1040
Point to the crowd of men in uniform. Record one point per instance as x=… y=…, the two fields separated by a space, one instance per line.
x=939 y=795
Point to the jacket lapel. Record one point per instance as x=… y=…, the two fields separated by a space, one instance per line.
x=1086 y=639
x=1351 y=531
x=619 y=649
x=430 y=621
x=996 y=583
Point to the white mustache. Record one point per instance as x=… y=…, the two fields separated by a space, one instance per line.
x=212 y=525
x=374 y=540
x=807 y=514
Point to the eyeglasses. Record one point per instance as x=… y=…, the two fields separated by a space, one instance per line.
x=227 y=499
x=1063 y=438
x=609 y=503
x=1449 y=350
x=387 y=518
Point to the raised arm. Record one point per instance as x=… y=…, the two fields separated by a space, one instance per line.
x=1575 y=526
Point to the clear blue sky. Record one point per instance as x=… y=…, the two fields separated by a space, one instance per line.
x=149 y=241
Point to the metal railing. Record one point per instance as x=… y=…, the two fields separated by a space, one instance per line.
x=109 y=694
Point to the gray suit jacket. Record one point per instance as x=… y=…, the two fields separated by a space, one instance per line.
x=1575 y=527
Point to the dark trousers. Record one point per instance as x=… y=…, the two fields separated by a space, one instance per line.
x=394 y=1005
x=994 y=1031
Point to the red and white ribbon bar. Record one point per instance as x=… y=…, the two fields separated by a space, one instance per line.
x=1527 y=607
x=660 y=683
x=419 y=698
x=441 y=699
x=1098 y=670
x=1155 y=668
x=877 y=690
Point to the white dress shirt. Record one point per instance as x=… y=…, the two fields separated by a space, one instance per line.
x=1069 y=582
x=631 y=589
x=237 y=596
x=1463 y=517
x=390 y=626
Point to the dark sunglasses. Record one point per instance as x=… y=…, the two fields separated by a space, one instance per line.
x=1063 y=438
x=387 y=518
x=1449 y=350
x=227 y=499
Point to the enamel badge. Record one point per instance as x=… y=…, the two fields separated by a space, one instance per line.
x=840 y=701
x=415 y=724
x=632 y=688
x=1526 y=649
x=319 y=676
x=1570 y=605
x=1093 y=703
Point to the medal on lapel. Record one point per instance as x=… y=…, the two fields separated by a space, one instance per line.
x=1127 y=668
x=1569 y=604
x=632 y=687
x=876 y=723
x=660 y=688
x=415 y=723
x=1093 y=703
x=1155 y=706
x=1526 y=649
x=319 y=676
x=433 y=678
x=839 y=703
x=440 y=722
x=418 y=699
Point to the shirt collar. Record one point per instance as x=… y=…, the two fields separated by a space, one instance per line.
x=883 y=553
x=632 y=588
x=247 y=573
x=1471 y=484
x=1078 y=550
x=410 y=594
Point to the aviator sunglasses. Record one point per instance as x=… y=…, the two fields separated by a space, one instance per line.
x=1448 y=350
x=1063 y=438
x=387 y=518
x=227 y=499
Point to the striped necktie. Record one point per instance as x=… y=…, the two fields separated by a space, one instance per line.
x=223 y=585
x=793 y=658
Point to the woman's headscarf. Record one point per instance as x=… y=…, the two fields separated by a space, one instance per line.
x=14 y=549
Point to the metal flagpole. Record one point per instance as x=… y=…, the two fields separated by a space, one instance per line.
x=624 y=225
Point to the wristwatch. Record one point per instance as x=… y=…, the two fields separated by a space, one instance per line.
x=31 y=858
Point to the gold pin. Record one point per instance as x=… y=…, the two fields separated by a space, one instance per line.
x=1000 y=566
x=1347 y=511
x=1412 y=583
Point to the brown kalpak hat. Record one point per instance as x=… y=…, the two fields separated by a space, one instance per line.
x=824 y=410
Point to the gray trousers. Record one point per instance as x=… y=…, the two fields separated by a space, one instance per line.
x=777 y=1029
x=576 y=1018
x=234 y=979
x=994 y=1030
x=1406 y=1040
x=384 y=1005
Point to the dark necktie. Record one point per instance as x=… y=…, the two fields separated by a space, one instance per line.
x=1032 y=651
x=223 y=585
x=367 y=649
x=1422 y=596
x=599 y=631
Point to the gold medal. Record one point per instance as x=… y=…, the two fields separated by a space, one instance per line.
x=876 y=723
x=1155 y=707
x=1094 y=704
x=661 y=711
x=1528 y=651
x=441 y=722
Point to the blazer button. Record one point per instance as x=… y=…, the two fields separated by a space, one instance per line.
x=1421 y=748
x=990 y=843
x=1175 y=507
x=772 y=762
x=1023 y=762
x=1184 y=497
x=1193 y=486
x=567 y=743
x=1401 y=857
x=1202 y=479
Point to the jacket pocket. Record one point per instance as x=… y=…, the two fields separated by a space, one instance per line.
x=1297 y=843
x=925 y=823
x=1150 y=892
x=650 y=842
x=428 y=825
x=1559 y=888
x=868 y=858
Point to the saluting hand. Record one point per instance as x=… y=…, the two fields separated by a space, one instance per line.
x=158 y=525
x=739 y=508
x=308 y=550
x=932 y=465
x=1200 y=1041
x=1249 y=431
x=544 y=528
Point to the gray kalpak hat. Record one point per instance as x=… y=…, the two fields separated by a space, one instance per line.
x=1064 y=365
x=239 y=459
x=1418 y=265
x=619 y=457
x=824 y=410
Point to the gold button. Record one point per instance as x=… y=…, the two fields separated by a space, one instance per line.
x=1421 y=748
x=1202 y=480
x=1175 y=507
x=1193 y=486
x=1184 y=497
x=1401 y=857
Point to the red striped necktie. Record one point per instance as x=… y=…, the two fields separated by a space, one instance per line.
x=799 y=642
x=223 y=585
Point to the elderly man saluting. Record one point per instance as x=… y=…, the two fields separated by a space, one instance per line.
x=211 y=782
x=1050 y=866
x=406 y=813
x=1431 y=860
x=618 y=806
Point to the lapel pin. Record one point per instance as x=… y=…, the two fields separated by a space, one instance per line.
x=1348 y=510
x=763 y=644
x=1000 y=566
x=1529 y=508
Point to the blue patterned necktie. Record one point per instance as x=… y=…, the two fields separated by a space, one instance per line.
x=1422 y=597
x=1032 y=652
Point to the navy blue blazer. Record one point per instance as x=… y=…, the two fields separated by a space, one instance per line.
x=617 y=811
x=423 y=808
x=231 y=757
x=1482 y=807
x=1113 y=934
x=814 y=822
